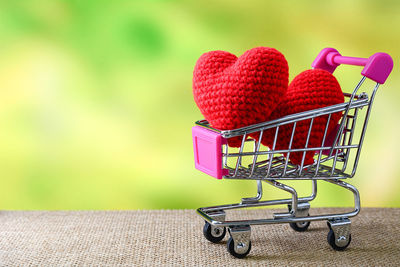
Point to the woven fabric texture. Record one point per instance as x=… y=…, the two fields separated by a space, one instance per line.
x=174 y=238
x=235 y=92
x=311 y=89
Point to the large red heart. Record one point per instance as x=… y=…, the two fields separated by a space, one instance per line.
x=311 y=89
x=235 y=92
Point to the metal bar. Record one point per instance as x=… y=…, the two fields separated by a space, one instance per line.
x=323 y=143
x=364 y=129
x=281 y=151
x=287 y=178
x=347 y=111
x=336 y=152
x=278 y=220
x=260 y=203
x=346 y=129
x=290 y=146
x=256 y=198
x=304 y=153
x=289 y=189
x=271 y=156
x=255 y=127
x=225 y=157
x=363 y=101
x=203 y=211
x=256 y=149
x=314 y=191
x=239 y=160
x=353 y=126
x=353 y=189
x=266 y=203
x=249 y=205
x=349 y=95
x=275 y=159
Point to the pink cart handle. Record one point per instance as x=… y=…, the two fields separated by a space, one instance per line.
x=377 y=67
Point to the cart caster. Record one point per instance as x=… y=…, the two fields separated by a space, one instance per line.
x=212 y=233
x=215 y=233
x=339 y=236
x=239 y=244
x=302 y=211
x=300 y=226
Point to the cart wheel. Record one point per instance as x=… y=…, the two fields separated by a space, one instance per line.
x=231 y=249
x=213 y=234
x=331 y=241
x=300 y=226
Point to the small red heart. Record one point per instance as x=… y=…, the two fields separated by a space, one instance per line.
x=311 y=89
x=235 y=92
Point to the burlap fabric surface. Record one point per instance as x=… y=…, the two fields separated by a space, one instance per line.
x=174 y=238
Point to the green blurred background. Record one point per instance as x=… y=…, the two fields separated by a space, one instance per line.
x=96 y=104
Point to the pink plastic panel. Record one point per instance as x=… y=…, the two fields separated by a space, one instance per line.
x=377 y=67
x=207 y=147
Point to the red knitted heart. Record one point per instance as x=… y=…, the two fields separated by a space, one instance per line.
x=235 y=92
x=311 y=89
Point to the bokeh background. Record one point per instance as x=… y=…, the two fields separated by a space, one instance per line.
x=96 y=104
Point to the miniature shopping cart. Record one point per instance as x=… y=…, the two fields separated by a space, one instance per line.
x=335 y=159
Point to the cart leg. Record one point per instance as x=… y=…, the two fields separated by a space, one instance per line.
x=313 y=194
x=239 y=243
x=353 y=189
x=215 y=233
x=339 y=235
x=256 y=198
x=292 y=212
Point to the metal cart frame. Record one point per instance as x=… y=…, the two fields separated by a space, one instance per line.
x=332 y=160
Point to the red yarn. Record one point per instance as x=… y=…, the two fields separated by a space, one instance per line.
x=311 y=89
x=235 y=92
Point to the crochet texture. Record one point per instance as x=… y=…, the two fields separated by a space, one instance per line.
x=234 y=92
x=311 y=89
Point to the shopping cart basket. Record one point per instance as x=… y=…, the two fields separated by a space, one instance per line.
x=335 y=159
